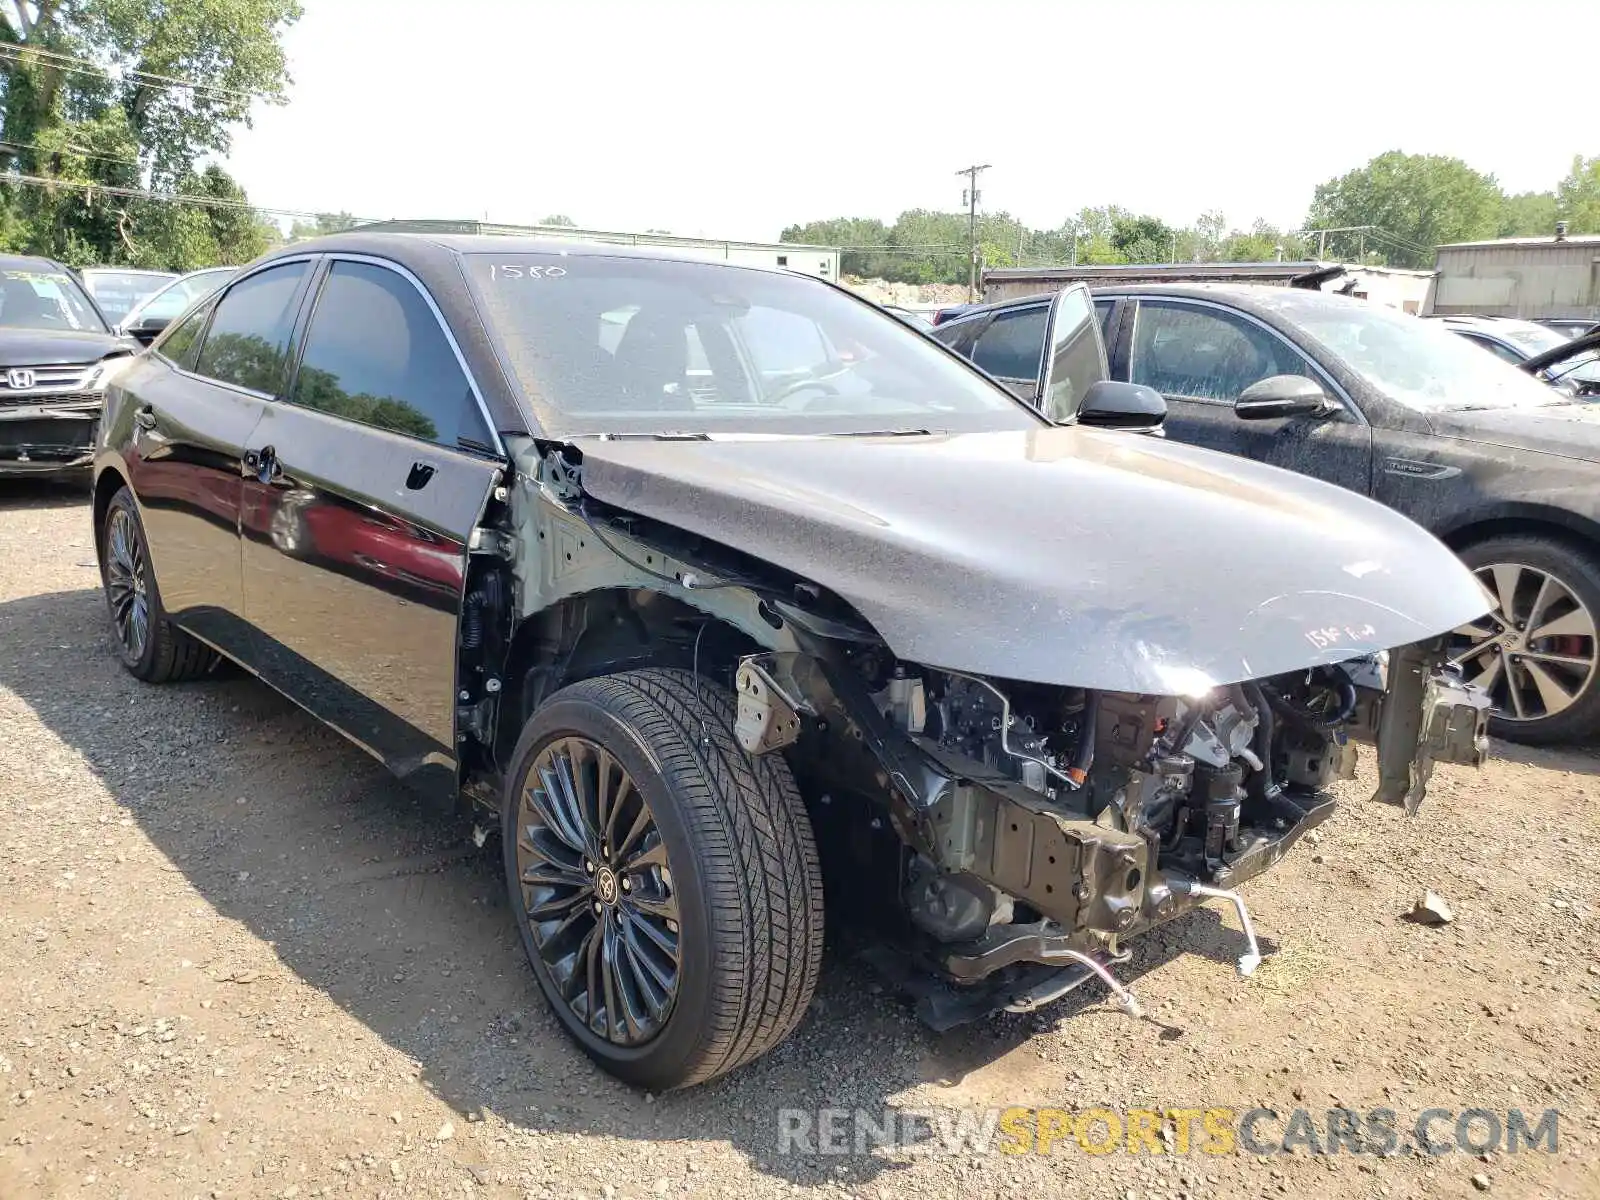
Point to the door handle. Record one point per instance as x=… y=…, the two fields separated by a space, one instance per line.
x=418 y=477
x=145 y=417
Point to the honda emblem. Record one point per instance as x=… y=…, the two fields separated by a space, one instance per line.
x=19 y=377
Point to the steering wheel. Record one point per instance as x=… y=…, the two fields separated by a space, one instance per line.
x=795 y=386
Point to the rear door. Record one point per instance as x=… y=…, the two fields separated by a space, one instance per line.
x=366 y=485
x=1200 y=356
x=189 y=408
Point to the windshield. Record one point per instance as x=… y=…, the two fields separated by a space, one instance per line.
x=116 y=292
x=45 y=299
x=174 y=299
x=1421 y=364
x=606 y=344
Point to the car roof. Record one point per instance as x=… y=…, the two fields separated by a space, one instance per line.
x=1259 y=298
x=401 y=246
x=23 y=262
x=128 y=271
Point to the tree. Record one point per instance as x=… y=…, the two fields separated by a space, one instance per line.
x=1415 y=201
x=132 y=94
x=558 y=219
x=321 y=225
x=1528 y=214
x=1143 y=239
x=1578 y=196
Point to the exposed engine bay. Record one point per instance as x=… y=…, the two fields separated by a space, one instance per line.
x=1008 y=836
x=1044 y=825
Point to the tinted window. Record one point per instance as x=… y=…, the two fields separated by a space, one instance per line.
x=180 y=341
x=249 y=339
x=603 y=343
x=1102 y=311
x=1013 y=345
x=1205 y=352
x=375 y=353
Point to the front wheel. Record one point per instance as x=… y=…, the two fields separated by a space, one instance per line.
x=665 y=883
x=1538 y=652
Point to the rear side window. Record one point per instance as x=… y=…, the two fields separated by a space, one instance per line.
x=248 y=343
x=1013 y=345
x=375 y=353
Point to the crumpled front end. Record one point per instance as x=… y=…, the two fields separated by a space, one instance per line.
x=1043 y=827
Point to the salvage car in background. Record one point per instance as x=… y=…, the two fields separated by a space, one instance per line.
x=1505 y=470
x=1516 y=342
x=698 y=643
x=118 y=289
x=159 y=309
x=56 y=356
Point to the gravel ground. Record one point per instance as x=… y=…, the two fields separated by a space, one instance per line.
x=237 y=960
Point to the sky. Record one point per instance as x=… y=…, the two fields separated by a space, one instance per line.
x=732 y=120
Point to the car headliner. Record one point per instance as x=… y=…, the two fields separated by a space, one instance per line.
x=435 y=259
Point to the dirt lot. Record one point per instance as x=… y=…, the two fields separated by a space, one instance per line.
x=236 y=960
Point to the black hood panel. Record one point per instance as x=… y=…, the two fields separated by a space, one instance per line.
x=1065 y=555
x=1570 y=430
x=44 y=348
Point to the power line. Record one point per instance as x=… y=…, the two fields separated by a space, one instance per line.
x=164 y=197
x=14 y=146
x=16 y=53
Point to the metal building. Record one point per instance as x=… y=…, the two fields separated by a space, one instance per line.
x=1520 y=277
x=821 y=261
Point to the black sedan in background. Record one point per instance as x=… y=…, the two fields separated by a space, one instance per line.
x=1503 y=468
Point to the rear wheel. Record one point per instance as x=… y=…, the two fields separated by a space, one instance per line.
x=1538 y=653
x=665 y=883
x=152 y=648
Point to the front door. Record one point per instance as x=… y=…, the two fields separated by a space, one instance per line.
x=1200 y=356
x=191 y=405
x=365 y=488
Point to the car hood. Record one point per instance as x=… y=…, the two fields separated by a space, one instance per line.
x=44 y=348
x=1571 y=430
x=1060 y=555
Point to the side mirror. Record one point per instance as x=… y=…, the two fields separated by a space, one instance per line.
x=146 y=329
x=1111 y=405
x=1280 y=396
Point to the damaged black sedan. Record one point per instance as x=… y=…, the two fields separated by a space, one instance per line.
x=714 y=585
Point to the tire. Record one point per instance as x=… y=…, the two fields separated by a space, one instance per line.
x=740 y=863
x=164 y=653
x=1559 y=696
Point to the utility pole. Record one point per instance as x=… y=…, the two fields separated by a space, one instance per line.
x=1322 y=245
x=971 y=201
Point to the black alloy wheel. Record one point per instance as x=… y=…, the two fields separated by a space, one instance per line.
x=127 y=586
x=664 y=882
x=151 y=647
x=597 y=890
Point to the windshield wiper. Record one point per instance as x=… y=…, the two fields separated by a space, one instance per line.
x=886 y=433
